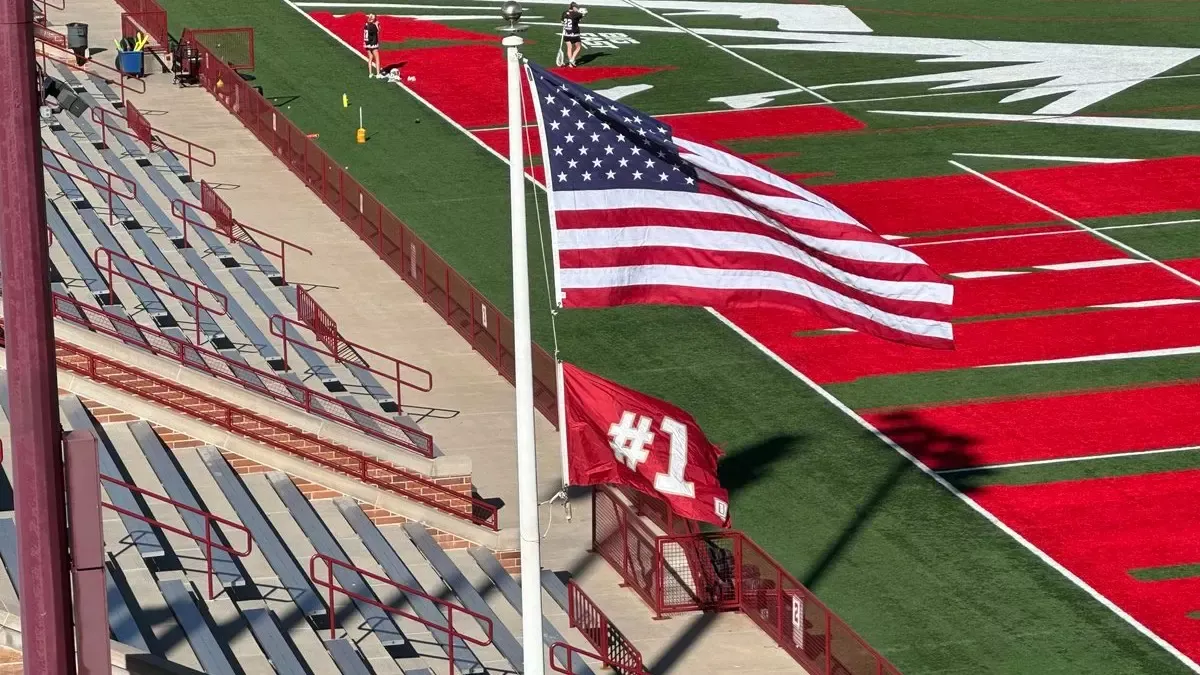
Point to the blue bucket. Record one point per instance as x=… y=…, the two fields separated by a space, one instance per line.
x=131 y=63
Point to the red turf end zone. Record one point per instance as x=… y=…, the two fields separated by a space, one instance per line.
x=842 y=357
x=1102 y=528
x=1007 y=254
x=910 y=205
x=1053 y=427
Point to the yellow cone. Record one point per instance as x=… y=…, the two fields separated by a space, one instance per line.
x=345 y=101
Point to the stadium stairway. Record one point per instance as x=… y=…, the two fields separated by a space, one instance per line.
x=270 y=613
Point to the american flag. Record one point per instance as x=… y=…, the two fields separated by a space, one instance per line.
x=644 y=217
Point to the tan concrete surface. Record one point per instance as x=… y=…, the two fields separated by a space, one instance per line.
x=375 y=307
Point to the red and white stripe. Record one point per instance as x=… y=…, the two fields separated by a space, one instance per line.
x=748 y=238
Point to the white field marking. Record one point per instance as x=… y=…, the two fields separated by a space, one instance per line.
x=1142 y=123
x=1047 y=234
x=924 y=468
x=745 y=59
x=1090 y=264
x=1066 y=460
x=1140 y=304
x=1121 y=356
x=986 y=274
x=1070 y=576
x=621 y=91
x=1058 y=214
x=1049 y=158
x=894 y=237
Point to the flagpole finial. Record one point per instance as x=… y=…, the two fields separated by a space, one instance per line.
x=511 y=12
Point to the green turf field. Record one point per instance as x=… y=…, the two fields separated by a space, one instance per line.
x=922 y=576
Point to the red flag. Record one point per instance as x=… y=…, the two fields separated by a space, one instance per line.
x=619 y=436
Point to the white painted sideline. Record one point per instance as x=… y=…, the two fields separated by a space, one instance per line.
x=1066 y=460
x=1062 y=216
x=924 y=468
x=1106 y=228
x=1049 y=158
x=1121 y=356
x=841 y=406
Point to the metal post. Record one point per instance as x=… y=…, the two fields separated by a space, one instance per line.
x=87 y=553
x=48 y=646
x=527 y=495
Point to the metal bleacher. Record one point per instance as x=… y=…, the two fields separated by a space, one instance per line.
x=153 y=235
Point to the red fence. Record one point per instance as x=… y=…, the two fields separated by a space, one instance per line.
x=575 y=655
x=722 y=571
x=235 y=231
x=104 y=258
x=152 y=23
x=487 y=330
x=109 y=188
x=321 y=323
x=448 y=609
x=211 y=543
x=612 y=645
x=49 y=35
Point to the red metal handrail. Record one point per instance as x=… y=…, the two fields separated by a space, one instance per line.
x=151 y=137
x=45 y=4
x=49 y=35
x=236 y=232
x=585 y=616
x=108 y=189
x=210 y=544
x=451 y=608
x=194 y=302
x=153 y=23
x=363 y=468
x=280 y=331
x=321 y=323
x=121 y=79
x=272 y=386
x=568 y=667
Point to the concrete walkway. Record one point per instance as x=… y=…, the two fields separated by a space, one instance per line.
x=375 y=307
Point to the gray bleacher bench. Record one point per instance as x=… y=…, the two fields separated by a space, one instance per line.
x=274 y=644
x=291 y=575
x=197 y=631
x=346 y=657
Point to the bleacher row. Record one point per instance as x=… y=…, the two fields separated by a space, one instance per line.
x=154 y=266
x=271 y=609
x=321 y=588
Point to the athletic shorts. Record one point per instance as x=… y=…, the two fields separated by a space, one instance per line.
x=574 y=39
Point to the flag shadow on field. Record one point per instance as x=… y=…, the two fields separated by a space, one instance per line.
x=935 y=446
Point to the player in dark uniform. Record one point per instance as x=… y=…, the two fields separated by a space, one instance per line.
x=570 y=31
x=371 y=46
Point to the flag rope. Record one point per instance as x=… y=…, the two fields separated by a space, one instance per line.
x=537 y=210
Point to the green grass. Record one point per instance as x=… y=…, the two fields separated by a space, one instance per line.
x=921 y=575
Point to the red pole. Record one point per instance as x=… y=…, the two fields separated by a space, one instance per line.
x=48 y=645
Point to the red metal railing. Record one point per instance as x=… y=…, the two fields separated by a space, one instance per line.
x=233 y=46
x=244 y=375
x=49 y=35
x=480 y=322
x=321 y=323
x=235 y=232
x=123 y=81
x=216 y=207
x=449 y=609
x=137 y=127
x=618 y=652
x=567 y=665
x=103 y=258
x=279 y=328
x=210 y=543
x=725 y=571
x=108 y=188
x=153 y=23
x=264 y=430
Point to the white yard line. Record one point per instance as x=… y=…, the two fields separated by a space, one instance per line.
x=924 y=468
x=1049 y=158
x=1090 y=264
x=1166 y=646
x=1142 y=304
x=1066 y=460
x=986 y=274
x=995 y=237
x=727 y=50
x=1062 y=216
x=1119 y=356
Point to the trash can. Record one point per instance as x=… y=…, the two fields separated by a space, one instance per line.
x=77 y=36
x=131 y=63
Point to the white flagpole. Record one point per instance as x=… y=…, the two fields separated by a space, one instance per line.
x=527 y=488
x=562 y=427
